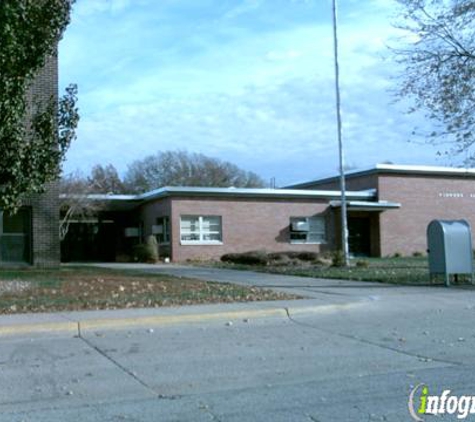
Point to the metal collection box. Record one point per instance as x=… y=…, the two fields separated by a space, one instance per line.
x=450 y=248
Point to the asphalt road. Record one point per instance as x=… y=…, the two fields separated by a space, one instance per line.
x=352 y=363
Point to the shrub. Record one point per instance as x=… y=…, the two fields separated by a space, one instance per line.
x=361 y=263
x=248 y=258
x=397 y=255
x=279 y=259
x=307 y=256
x=279 y=255
x=302 y=255
x=146 y=252
x=338 y=259
x=274 y=258
x=152 y=247
x=417 y=254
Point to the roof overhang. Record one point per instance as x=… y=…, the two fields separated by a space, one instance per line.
x=254 y=193
x=118 y=202
x=408 y=170
x=108 y=202
x=367 y=206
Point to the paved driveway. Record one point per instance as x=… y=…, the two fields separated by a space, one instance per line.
x=314 y=288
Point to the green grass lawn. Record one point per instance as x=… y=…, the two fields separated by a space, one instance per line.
x=404 y=270
x=82 y=288
x=386 y=270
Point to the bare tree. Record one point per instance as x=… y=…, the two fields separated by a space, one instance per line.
x=76 y=201
x=438 y=56
x=105 y=179
x=181 y=168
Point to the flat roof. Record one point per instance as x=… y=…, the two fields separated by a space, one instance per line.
x=228 y=192
x=252 y=193
x=393 y=168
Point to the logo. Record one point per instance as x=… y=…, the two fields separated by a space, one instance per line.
x=422 y=403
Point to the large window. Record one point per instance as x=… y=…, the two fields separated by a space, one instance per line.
x=200 y=229
x=307 y=230
x=15 y=236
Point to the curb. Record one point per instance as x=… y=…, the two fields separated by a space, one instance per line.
x=118 y=323
x=80 y=326
x=48 y=327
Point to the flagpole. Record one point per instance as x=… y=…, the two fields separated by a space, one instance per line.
x=344 y=219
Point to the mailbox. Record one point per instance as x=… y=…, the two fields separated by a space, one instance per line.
x=450 y=248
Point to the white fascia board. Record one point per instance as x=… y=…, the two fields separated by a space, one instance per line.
x=368 y=205
x=257 y=193
x=396 y=168
x=229 y=192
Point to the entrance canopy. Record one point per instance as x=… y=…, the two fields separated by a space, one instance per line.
x=367 y=206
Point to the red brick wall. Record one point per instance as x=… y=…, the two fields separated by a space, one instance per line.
x=422 y=198
x=45 y=207
x=246 y=224
x=153 y=210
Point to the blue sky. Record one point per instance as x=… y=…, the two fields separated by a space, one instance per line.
x=249 y=81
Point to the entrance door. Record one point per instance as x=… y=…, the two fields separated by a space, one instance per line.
x=359 y=238
x=89 y=241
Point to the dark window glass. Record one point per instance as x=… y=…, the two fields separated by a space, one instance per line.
x=15 y=237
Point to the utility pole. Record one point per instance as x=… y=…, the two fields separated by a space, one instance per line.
x=344 y=219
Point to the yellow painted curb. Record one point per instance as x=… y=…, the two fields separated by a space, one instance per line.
x=154 y=320
x=323 y=308
x=48 y=327
x=178 y=319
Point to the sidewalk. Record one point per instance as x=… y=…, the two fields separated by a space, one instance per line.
x=78 y=323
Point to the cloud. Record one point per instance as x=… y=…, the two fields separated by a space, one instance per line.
x=287 y=130
x=244 y=7
x=85 y=8
x=283 y=55
x=251 y=82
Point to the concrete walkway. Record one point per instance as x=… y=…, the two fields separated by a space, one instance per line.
x=315 y=288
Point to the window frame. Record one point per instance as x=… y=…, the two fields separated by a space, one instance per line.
x=201 y=230
x=322 y=233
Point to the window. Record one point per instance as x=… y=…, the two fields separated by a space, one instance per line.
x=307 y=230
x=15 y=236
x=200 y=229
x=162 y=230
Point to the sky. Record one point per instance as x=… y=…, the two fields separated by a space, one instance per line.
x=247 y=81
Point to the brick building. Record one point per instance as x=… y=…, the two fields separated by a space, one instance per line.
x=31 y=235
x=423 y=192
x=205 y=223
x=389 y=208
